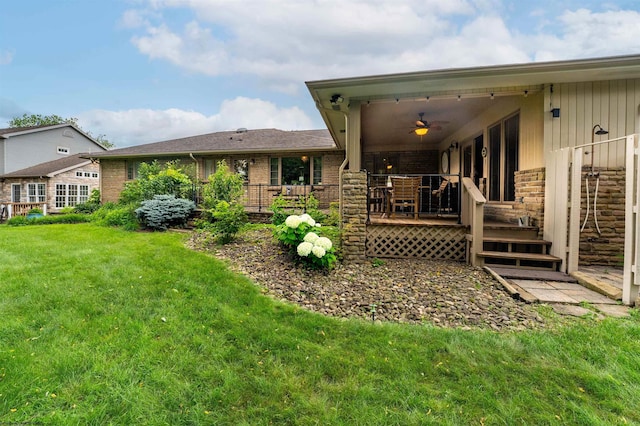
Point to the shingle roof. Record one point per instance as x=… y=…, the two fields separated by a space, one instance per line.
x=49 y=168
x=239 y=141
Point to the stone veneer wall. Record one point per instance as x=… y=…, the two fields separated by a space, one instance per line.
x=529 y=194
x=354 y=216
x=607 y=248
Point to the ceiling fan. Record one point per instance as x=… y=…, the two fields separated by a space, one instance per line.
x=423 y=126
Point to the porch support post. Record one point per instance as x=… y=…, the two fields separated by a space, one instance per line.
x=353 y=136
x=573 y=248
x=631 y=275
x=354 y=216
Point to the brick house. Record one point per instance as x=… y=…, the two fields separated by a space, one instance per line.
x=50 y=186
x=271 y=160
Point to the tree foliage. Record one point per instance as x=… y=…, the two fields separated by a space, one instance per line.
x=49 y=120
x=158 y=179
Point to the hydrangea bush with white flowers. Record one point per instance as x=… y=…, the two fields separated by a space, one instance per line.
x=297 y=234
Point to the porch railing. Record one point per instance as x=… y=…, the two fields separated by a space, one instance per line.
x=258 y=197
x=9 y=210
x=473 y=216
x=436 y=197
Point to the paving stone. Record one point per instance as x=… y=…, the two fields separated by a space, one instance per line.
x=573 y=310
x=551 y=296
x=528 y=284
x=589 y=296
x=617 y=311
x=564 y=286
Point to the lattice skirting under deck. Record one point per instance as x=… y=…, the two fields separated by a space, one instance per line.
x=430 y=242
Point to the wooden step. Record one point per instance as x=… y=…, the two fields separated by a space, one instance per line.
x=526 y=260
x=531 y=241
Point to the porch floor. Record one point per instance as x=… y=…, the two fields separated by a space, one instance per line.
x=404 y=219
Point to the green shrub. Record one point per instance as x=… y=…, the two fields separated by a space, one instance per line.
x=222 y=197
x=227 y=220
x=48 y=220
x=120 y=215
x=334 y=214
x=298 y=235
x=92 y=204
x=223 y=185
x=18 y=221
x=155 y=179
x=165 y=211
x=283 y=208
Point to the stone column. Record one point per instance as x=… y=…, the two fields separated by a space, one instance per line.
x=354 y=216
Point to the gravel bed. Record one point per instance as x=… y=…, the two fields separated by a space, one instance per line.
x=441 y=293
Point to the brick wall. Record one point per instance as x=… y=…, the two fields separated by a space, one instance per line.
x=354 y=216
x=113 y=175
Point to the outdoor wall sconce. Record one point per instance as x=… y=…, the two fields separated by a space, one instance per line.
x=304 y=158
x=555 y=112
x=453 y=146
x=253 y=161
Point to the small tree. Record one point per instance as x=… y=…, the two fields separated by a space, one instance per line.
x=222 y=197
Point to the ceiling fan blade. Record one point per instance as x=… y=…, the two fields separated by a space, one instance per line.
x=420 y=123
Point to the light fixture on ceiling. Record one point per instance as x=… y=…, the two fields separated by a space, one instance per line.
x=421 y=131
x=491 y=96
x=336 y=99
x=526 y=93
x=459 y=98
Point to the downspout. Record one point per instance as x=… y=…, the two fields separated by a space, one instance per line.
x=346 y=152
x=195 y=195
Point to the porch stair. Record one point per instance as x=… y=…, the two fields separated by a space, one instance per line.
x=514 y=246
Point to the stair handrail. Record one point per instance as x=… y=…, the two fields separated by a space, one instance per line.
x=473 y=216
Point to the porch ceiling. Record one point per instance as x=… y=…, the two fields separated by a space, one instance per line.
x=391 y=103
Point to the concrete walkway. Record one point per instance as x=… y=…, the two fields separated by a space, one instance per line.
x=566 y=294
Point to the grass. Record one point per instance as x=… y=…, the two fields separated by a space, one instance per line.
x=101 y=326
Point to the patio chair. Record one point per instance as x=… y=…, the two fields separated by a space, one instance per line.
x=439 y=193
x=405 y=193
x=376 y=199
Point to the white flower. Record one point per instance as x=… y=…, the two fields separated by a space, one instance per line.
x=318 y=251
x=306 y=218
x=304 y=248
x=293 y=221
x=323 y=242
x=318 y=225
x=311 y=237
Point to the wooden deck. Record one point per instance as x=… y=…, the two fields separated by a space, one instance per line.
x=408 y=220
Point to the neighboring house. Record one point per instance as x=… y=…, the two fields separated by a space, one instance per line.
x=272 y=161
x=504 y=138
x=35 y=160
x=50 y=186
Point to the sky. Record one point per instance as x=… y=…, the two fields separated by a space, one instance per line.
x=140 y=71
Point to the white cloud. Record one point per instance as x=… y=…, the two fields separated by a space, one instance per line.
x=133 y=127
x=588 y=34
x=6 y=57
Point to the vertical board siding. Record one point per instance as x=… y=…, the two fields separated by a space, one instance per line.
x=615 y=105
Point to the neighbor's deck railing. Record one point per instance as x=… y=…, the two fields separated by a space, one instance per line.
x=20 y=209
x=259 y=196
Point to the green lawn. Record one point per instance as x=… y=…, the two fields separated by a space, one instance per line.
x=101 y=326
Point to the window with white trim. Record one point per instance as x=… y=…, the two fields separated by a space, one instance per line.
x=36 y=192
x=63 y=150
x=70 y=194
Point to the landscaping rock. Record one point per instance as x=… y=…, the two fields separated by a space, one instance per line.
x=440 y=293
